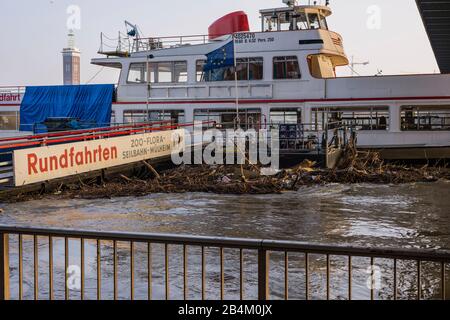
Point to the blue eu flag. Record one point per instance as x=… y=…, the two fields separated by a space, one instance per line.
x=220 y=58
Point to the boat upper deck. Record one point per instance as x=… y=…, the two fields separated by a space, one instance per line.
x=296 y=39
x=291 y=18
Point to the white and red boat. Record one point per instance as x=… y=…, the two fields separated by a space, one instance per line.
x=286 y=73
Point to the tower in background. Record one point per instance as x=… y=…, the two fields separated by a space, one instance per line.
x=71 y=62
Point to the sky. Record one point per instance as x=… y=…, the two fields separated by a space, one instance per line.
x=388 y=34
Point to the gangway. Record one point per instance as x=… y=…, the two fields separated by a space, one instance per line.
x=325 y=145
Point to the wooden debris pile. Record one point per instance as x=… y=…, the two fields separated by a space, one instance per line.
x=367 y=167
x=202 y=178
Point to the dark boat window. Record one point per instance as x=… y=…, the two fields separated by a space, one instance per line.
x=359 y=118
x=226 y=118
x=285 y=116
x=139 y=116
x=314 y=21
x=286 y=68
x=425 y=118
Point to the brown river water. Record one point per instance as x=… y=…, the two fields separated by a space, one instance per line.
x=397 y=216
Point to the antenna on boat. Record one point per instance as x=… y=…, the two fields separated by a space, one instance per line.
x=327 y=3
x=353 y=64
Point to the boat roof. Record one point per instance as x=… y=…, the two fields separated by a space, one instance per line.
x=326 y=11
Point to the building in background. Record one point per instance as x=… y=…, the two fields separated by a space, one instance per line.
x=71 y=62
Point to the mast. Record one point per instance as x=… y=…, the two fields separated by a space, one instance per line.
x=238 y=118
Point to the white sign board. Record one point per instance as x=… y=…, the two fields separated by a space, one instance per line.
x=58 y=161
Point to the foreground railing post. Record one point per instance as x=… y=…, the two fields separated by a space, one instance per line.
x=4 y=266
x=263 y=274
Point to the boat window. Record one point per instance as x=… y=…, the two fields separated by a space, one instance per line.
x=323 y=23
x=250 y=68
x=160 y=72
x=242 y=69
x=212 y=75
x=269 y=24
x=199 y=70
x=139 y=116
x=175 y=116
x=286 y=68
x=360 y=118
x=9 y=120
x=301 y=21
x=165 y=72
x=222 y=74
x=293 y=20
x=180 y=72
x=137 y=73
x=247 y=69
x=285 y=21
x=134 y=116
x=314 y=21
x=280 y=21
x=425 y=118
x=226 y=118
x=285 y=116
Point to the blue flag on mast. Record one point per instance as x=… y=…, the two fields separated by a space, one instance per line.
x=220 y=58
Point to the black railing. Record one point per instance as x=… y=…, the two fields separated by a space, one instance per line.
x=431 y=279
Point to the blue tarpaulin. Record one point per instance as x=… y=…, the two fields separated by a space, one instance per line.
x=88 y=103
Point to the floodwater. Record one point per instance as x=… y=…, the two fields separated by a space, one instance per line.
x=400 y=216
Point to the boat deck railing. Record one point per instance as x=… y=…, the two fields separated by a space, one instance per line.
x=294 y=138
x=45 y=139
x=46 y=249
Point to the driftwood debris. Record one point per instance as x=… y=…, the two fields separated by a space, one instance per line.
x=152 y=170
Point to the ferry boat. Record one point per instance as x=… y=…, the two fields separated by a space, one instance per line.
x=285 y=74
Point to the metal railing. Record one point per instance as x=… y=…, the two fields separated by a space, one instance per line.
x=306 y=136
x=170 y=41
x=89 y=134
x=263 y=249
x=75 y=132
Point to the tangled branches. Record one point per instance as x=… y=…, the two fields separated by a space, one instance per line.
x=353 y=167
